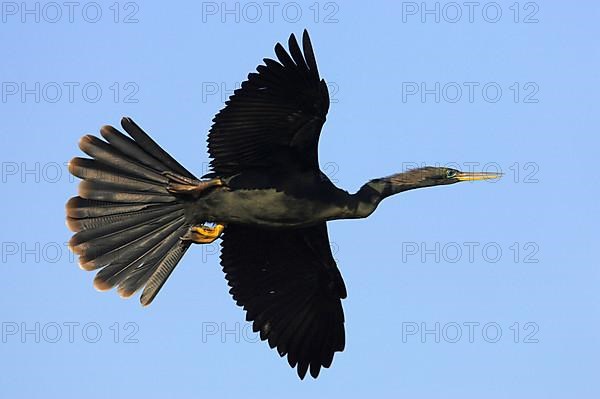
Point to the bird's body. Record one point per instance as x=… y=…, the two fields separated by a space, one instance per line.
x=274 y=199
x=138 y=210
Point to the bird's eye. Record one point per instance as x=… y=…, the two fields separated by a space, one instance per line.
x=450 y=174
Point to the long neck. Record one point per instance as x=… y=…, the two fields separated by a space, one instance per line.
x=366 y=200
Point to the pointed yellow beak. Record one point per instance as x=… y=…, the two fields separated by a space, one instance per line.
x=472 y=176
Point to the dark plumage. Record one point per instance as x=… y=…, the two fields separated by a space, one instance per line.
x=139 y=210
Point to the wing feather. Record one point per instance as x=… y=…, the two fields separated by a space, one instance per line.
x=275 y=118
x=289 y=285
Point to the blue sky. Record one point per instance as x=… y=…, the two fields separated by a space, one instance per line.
x=471 y=290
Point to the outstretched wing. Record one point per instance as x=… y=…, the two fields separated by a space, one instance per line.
x=290 y=286
x=275 y=118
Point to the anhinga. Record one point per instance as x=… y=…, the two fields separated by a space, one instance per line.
x=139 y=210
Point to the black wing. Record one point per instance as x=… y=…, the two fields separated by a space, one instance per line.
x=275 y=118
x=290 y=286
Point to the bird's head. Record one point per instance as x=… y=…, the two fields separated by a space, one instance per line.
x=432 y=176
x=369 y=196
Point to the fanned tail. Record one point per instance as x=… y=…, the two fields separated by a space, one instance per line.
x=127 y=222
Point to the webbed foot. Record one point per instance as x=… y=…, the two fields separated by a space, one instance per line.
x=203 y=234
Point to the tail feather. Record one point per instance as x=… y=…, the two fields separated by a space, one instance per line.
x=102 y=251
x=81 y=208
x=134 y=259
x=127 y=223
x=129 y=148
x=97 y=172
x=152 y=148
x=133 y=220
x=86 y=223
x=140 y=274
x=163 y=271
x=109 y=192
x=104 y=152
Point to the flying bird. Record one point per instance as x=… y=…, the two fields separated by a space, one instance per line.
x=138 y=210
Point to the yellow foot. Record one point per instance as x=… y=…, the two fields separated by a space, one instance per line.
x=203 y=234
